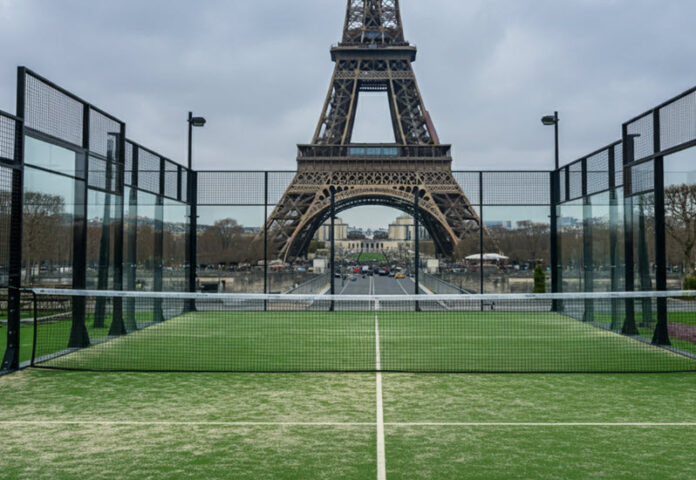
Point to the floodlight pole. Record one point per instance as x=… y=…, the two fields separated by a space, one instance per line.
x=556 y=285
x=193 y=202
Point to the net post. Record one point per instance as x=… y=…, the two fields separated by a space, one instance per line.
x=35 y=301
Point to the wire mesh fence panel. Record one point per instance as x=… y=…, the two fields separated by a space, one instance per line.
x=51 y=111
x=618 y=165
x=678 y=122
x=278 y=183
x=141 y=331
x=642 y=133
x=231 y=188
x=148 y=171
x=470 y=184
x=516 y=188
x=598 y=172
x=8 y=139
x=575 y=180
x=104 y=134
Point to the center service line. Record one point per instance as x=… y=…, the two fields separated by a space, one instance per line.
x=381 y=460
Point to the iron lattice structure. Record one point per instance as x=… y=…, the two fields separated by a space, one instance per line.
x=373 y=57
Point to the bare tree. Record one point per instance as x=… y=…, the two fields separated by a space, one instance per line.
x=42 y=229
x=680 y=220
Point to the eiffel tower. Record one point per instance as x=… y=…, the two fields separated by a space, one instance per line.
x=372 y=57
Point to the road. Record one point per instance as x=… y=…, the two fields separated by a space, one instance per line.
x=376 y=285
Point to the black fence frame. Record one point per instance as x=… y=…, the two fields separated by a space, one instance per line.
x=123 y=170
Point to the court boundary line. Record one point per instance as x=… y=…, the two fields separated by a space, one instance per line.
x=343 y=424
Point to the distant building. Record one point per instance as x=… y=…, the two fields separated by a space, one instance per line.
x=402 y=230
x=340 y=231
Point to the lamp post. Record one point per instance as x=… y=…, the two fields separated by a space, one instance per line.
x=550 y=120
x=193 y=200
x=193 y=122
x=555 y=254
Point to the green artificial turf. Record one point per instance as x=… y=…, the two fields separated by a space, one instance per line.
x=345 y=341
x=64 y=425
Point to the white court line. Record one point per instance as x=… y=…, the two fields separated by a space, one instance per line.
x=188 y=424
x=381 y=456
x=542 y=424
x=349 y=424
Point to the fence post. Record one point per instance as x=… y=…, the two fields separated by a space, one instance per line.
x=332 y=237
x=661 y=335
x=158 y=314
x=192 y=236
x=117 y=324
x=416 y=236
x=587 y=254
x=265 y=239
x=613 y=237
x=629 y=326
x=78 y=334
x=132 y=240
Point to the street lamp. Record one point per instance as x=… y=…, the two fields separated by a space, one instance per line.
x=191 y=238
x=193 y=122
x=550 y=120
x=555 y=250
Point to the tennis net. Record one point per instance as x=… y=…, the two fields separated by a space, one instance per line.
x=142 y=331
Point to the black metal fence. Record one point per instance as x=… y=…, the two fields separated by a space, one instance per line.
x=121 y=216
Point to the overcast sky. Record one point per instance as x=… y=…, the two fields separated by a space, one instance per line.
x=259 y=71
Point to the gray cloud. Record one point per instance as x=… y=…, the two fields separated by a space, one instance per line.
x=259 y=71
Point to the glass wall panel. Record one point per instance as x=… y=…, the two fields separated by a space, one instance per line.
x=145 y=241
x=643 y=210
x=49 y=156
x=130 y=242
x=101 y=233
x=570 y=233
x=49 y=206
x=680 y=226
x=600 y=244
x=230 y=258
x=174 y=251
x=517 y=239
x=680 y=216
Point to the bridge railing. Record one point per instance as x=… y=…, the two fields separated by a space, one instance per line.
x=438 y=286
x=318 y=284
